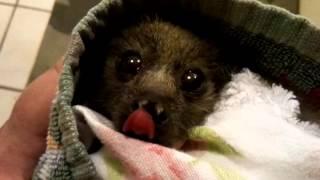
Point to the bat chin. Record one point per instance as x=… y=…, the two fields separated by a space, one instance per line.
x=178 y=144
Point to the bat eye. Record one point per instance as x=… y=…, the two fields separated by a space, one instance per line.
x=131 y=62
x=192 y=80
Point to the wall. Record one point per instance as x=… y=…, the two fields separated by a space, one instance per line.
x=311 y=9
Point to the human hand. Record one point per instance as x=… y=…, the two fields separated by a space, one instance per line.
x=23 y=136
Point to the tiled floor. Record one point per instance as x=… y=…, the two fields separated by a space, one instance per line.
x=22 y=27
x=42 y=4
x=8 y=1
x=8 y=99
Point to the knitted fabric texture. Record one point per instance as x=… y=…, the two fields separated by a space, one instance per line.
x=286 y=47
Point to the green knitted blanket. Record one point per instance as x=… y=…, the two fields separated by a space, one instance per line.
x=286 y=49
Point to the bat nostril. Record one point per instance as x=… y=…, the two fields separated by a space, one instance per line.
x=161 y=118
x=150 y=107
x=135 y=105
x=156 y=110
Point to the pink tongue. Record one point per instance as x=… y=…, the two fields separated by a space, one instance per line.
x=140 y=123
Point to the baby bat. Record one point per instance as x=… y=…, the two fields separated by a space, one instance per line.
x=155 y=81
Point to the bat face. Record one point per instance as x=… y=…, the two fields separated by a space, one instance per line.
x=158 y=81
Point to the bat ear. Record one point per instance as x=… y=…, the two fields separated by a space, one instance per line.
x=231 y=59
x=221 y=75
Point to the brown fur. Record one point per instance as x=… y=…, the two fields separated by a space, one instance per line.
x=167 y=52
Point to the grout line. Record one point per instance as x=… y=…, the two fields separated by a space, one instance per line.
x=6 y=4
x=2 y=43
x=10 y=88
x=8 y=25
x=15 y=6
x=34 y=8
x=25 y=7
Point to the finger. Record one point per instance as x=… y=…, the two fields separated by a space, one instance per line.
x=22 y=138
x=31 y=111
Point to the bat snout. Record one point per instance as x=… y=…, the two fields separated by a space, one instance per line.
x=155 y=109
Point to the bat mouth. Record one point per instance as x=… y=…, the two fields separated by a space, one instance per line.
x=144 y=120
x=140 y=124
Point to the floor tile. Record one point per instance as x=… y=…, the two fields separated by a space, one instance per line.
x=8 y=1
x=42 y=4
x=5 y=13
x=21 y=47
x=8 y=98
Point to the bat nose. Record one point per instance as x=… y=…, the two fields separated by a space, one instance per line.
x=155 y=109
